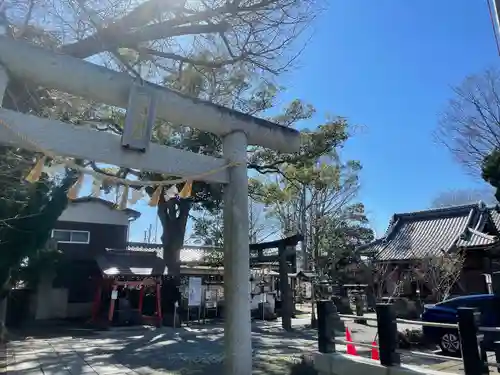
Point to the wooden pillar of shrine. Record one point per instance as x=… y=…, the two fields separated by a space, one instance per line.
x=112 y=303
x=96 y=306
x=141 y=298
x=158 y=304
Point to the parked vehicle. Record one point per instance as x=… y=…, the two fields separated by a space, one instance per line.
x=446 y=312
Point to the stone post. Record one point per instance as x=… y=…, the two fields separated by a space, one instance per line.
x=237 y=326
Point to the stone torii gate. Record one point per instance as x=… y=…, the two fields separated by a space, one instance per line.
x=81 y=78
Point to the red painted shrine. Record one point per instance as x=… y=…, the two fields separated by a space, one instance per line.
x=122 y=273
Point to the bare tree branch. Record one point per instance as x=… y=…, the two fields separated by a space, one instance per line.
x=255 y=32
x=470 y=125
x=463 y=196
x=440 y=273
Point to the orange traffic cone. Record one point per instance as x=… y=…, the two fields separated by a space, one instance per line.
x=351 y=349
x=375 y=355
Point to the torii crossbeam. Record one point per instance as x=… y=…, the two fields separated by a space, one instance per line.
x=81 y=78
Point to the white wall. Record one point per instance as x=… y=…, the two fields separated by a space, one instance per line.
x=51 y=303
x=342 y=364
x=94 y=212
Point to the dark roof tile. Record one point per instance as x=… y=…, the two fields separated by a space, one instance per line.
x=188 y=254
x=495 y=216
x=427 y=233
x=414 y=237
x=475 y=238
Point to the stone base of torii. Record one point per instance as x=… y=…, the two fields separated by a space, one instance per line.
x=81 y=78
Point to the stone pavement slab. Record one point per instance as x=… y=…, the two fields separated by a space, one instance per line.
x=162 y=351
x=192 y=350
x=457 y=367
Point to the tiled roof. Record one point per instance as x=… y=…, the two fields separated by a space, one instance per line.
x=472 y=238
x=372 y=248
x=417 y=238
x=146 y=247
x=194 y=254
x=188 y=254
x=425 y=233
x=495 y=216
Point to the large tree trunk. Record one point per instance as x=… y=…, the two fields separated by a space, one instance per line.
x=173 y=216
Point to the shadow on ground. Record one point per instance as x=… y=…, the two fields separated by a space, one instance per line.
x=193 y=350
x=50 y=330
x=186 y=350
x=275 y=351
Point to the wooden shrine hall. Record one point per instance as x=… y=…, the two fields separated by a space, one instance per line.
x=121 y=271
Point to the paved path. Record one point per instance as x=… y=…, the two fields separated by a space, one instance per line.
x=159 y=351
x=192 y=350
x=457 y=367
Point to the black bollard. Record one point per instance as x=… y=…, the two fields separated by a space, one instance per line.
x=326 y=330
x=472 y=354
x=387 y=335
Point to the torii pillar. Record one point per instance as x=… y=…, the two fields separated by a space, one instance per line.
x=238 y=130
x=237 y=328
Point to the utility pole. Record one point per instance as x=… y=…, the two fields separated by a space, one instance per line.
x=314 y=281
x=303 y=250
x=149 y=232
x=252 y=235
x=156 y=228
x=496 y=14
x=494 y=9
x=303 y=229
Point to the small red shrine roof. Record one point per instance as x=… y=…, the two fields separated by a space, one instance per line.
x=130 y=263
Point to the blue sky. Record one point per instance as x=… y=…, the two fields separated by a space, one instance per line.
x=388 y=65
